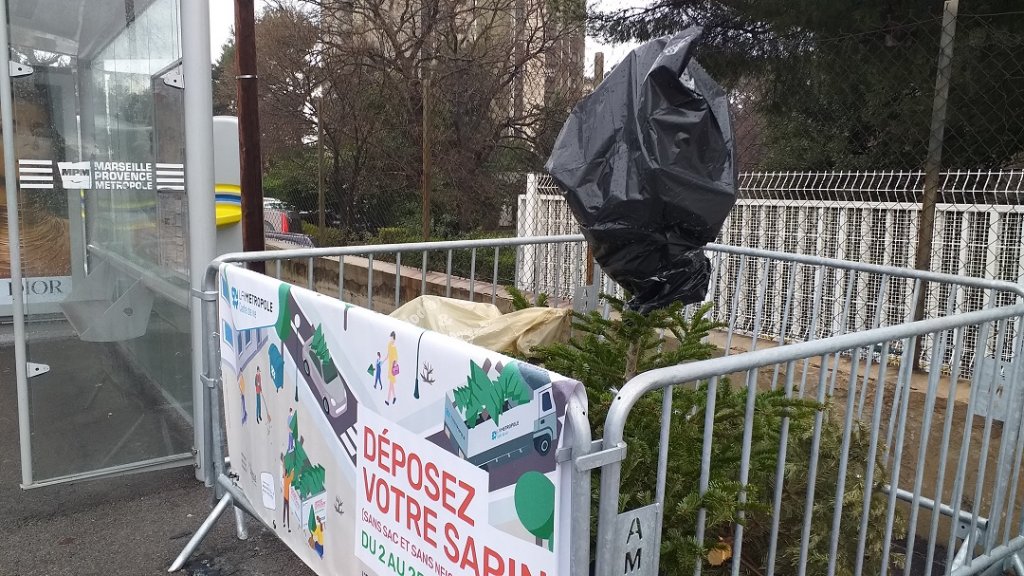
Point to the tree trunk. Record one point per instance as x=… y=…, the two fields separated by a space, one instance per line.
x=632 y=360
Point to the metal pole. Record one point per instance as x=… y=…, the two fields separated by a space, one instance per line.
x=14 y=246
x=580 y=493
x=598 y=77
x=321 y=202
x=933 y=163
x=202 y=228
x=249 y=131
x=425 y=172
x=241 y=530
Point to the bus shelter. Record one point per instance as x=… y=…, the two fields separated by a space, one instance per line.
x=111 y=218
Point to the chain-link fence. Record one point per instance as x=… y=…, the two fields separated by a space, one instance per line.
x=833 y=145
x=843 y=133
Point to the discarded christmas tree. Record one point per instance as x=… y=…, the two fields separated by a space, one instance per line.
x=604 y=354
x=309 y=478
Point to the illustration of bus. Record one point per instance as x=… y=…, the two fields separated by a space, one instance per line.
x=328 y=382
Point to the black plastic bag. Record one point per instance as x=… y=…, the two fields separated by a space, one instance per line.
x=648 y=167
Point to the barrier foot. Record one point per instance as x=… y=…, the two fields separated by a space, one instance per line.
x=240 y=527
x=960 y=560
x=201 y=533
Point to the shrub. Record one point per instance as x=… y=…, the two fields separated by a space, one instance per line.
x=605 y=353
x=521 y=302
x=329 y=237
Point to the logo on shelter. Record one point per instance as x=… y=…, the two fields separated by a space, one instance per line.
x=106 y=175
x=75 y=175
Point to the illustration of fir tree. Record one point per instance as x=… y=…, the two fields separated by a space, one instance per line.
x=483 y=394
x=319 y=345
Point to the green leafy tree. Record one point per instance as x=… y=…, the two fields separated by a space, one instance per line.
x=535 y=506
x=849 y=84
x=605 y=353
x=309 y=478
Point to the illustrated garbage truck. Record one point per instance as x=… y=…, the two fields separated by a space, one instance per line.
x=527 y=421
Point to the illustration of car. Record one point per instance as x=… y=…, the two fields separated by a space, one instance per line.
x=328 y=382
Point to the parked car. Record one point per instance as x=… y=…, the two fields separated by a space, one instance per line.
x=280 y=217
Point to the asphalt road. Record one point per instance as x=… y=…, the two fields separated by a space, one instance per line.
x=130 y=525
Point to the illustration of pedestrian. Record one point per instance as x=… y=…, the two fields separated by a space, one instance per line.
x=291 y=426
x=392 y=364
x=241 y=388
x=289 y=475
x=316 y=537
x=259 y=397
x=376 y=373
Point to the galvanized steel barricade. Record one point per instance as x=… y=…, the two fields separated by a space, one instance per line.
x=936 y=460
x=887 y=373
x=212 y=454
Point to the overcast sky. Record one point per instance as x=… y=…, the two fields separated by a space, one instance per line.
x=222 y=19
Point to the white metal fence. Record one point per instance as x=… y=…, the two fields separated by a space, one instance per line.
x=863 y=217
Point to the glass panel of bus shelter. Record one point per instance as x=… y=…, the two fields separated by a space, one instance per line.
x=98 y=225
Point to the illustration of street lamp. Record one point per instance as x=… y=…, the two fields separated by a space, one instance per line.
x=416 y=368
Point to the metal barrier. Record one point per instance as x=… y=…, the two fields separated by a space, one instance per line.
x=211 y=456
x=974 y=500
x=843 y=364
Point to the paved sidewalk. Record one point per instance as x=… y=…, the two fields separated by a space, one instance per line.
x=130 y=526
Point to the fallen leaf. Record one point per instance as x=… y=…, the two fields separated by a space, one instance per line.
x=719 y=554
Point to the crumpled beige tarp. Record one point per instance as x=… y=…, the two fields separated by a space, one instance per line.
x=484 y=325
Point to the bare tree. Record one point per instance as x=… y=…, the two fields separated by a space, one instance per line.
x=504 y=74
x=498 y=69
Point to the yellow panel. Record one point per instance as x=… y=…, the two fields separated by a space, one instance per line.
x=228 y=212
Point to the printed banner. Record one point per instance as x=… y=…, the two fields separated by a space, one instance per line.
x=373 y=447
